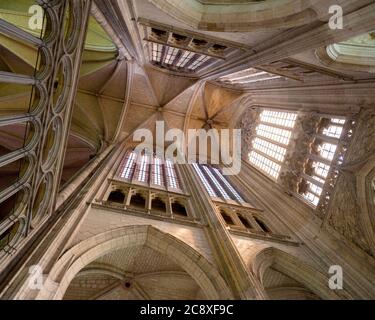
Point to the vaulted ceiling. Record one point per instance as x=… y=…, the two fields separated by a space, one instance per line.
x=136 y=273
x=275 y=58
x=160 y=38
x=274 y=53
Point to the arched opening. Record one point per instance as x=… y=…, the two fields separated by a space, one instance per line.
x=280 y=286
x=179 y=209
x=262 y=225
x=134 y=256
x=286 y=277
x=138 y=201
x=116 y=196
x=228 y=220
x=132 y=273
x=245 y=222
x=158 y=205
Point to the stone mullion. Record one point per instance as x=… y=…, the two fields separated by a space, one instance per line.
x=293 y=166
x=52 y=44
x=27 y=152
x=241 y=281
x=335 y=168
x=65 y=46
x=312 y=180
x=75 y=75
x=236 y=219
x=254 y=223
x=60 y=230
x=248 y=124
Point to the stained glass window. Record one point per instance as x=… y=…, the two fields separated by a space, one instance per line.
x=129 y=165
x=157 y=172
x=149 y=169
x=228 y=185
x=204 y=180
x=216 y=184
x=171 y=175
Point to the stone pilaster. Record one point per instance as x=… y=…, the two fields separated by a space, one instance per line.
x=242 y=282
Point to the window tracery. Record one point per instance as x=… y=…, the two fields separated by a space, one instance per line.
x=51 y=88
x=216 y=184
x=322 y=159
x=151 y=170
x=269 y=144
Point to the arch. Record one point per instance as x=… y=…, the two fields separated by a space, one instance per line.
x=262 y=224
x=138 y=201
x=117 y=196
x=243 y=16
x=245 y=221
x=264 y=257
x=227 y=218
x=355 y=54
x=179 y=209
x=75 y=259
x=158 y=204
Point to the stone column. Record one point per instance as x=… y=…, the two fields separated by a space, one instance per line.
x=242 y=282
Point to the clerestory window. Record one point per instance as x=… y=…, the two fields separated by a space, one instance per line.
x=216 y=184
x=269 y=146
x=149 y=169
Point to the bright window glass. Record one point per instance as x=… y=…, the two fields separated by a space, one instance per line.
x=128 y=170
x=321 y=169
x=199 y=62
x=149 y=169
x=328 y=150
x=273 y=135
x=276 y=134
x=228 y=185
x=333 y=131
x=213 y=179
x=157 y=172
x=171 y=55
x=338 y=121
x=269 y=149
x=142 y=169
x=171 y=175
x=185 y=58
x=268 y=166
x=204 y=180
x=312 y=198
x=156 y=52
x=283 y=119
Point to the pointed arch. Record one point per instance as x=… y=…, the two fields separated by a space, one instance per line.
x=75 y=259
x=265 y=257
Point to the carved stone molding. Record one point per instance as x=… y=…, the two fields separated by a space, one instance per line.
x=247 y=124
x=47 y=120
x=296 y=158
x=350 y=212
